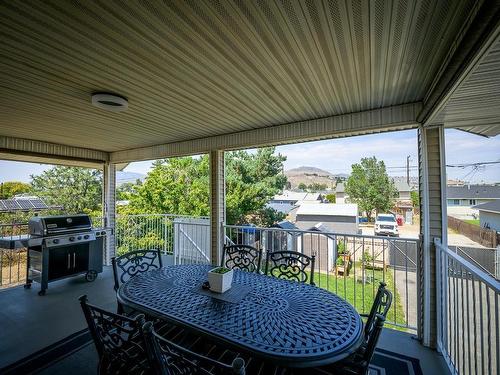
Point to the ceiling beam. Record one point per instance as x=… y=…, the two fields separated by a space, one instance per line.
x=26 y=150
x=481 y=34
x=366 y=122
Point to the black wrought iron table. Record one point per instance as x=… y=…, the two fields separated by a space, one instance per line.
x=290 y=323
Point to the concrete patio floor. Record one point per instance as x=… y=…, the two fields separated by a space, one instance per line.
x=29 y=322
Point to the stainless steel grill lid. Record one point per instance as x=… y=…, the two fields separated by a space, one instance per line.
x=53 y=225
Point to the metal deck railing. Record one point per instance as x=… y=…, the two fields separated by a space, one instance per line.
x=468 y=314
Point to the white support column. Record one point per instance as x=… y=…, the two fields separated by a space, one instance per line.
x=109 y=209
x=217 y=204
x=433 y=224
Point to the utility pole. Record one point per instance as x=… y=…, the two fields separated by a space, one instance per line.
x=408 y=170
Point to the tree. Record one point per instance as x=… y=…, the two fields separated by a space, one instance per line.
x=181 y=186
x=126 y=190
x=315 y=186
x=77 y=190
x=302 y=186
x=370 y=187
x=415 y=198
x=9 y=189
x=331 y=198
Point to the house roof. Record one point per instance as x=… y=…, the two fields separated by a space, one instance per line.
x=296 y=196
x=328 y=209
x=285 y=224
x=473 y=192
x=281 y=207
x=493 y=206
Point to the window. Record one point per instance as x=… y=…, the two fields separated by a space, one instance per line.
x=453 y=202
x=472 y=202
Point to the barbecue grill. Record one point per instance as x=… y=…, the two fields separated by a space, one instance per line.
x=63 y=246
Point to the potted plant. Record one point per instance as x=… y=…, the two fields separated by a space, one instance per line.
x=220 y=279
x=343 y=253
x=341 y=266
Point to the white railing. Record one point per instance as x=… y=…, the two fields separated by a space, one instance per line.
x=372 y=259
x=12 y=261
x=468 y=315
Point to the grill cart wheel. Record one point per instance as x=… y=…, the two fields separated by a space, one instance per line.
x=27 y=286
x=91 y=275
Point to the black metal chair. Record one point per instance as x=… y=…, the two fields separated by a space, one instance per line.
x=167 y=358
x=134 y=263
x=381 y=305
x=243 y=257
x=118 y=340
x=290 y=265
x=359 y=362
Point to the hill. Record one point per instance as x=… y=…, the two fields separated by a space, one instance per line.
x=309 y=175
x=124 y=177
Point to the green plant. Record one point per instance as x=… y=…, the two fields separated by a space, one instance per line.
x=340 y=262
x=341 y=248
x=367 y=258
x=221 y=270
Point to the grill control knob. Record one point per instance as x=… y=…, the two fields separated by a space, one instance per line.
x=79 y=238
x=72 y=238
x=56 y=240
x=86 y=237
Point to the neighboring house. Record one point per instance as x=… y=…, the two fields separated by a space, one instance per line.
x=460 y=200
x=489 y=214
x=334 y=217
x=340 y=194
x=288 y=200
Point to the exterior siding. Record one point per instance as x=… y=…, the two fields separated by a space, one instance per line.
x=217 y=204
x=491 y=219
x=430 y=160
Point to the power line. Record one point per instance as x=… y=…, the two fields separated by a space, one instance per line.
x=466 y=165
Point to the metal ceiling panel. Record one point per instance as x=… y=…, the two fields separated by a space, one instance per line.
x=194 y=69
x=475 y=105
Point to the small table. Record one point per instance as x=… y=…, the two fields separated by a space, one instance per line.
x=289 y=323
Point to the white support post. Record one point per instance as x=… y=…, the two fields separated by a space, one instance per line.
x=109 y=209
x=217 y=204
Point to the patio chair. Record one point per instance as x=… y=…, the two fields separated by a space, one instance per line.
x=243 y=257
x=131 y=264
x=380 y=306
x=118 y=340
x=358 y=362
x=290 y=265
x=167 y=358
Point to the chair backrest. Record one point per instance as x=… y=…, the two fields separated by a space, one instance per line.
x=369 y=349
x=290 y=265
x=243 y=257
x=118 y=339
x=133 y=263
x=381 y=305
x=167 y=358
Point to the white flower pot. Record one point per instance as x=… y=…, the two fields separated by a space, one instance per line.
x=220 y=282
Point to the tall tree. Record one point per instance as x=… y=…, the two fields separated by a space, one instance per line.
x=10 y=188
x=181 y=186
x=370 y=187
x=77 y=190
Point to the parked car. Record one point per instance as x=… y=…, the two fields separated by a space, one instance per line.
x=386 y=224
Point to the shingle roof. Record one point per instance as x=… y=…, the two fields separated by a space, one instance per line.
x=473 y=192
x=489 y=206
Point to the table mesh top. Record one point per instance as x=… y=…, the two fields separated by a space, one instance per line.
x=277 y=318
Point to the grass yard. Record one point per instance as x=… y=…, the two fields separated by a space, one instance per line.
x=361 y=295
x=473 y=222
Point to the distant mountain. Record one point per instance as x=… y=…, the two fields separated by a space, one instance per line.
x=308 y=176
x=124 y=177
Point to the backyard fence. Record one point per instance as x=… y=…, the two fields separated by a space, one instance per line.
x=483 y=236
x=468 y=315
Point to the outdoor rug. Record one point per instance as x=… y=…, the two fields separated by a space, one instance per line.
x=76 y=355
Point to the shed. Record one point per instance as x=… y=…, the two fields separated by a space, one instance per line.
x=489 y=215
x=337 y=218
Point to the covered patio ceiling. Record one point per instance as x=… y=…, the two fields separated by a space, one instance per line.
x=202 y=75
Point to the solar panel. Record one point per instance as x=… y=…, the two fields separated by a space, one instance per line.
x=25 y=204
x=38 y=203
x=11 y=204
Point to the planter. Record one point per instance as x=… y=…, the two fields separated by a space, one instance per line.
x=220 y=279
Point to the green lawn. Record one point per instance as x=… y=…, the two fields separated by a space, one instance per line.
x=473 y=221
x=361 y=295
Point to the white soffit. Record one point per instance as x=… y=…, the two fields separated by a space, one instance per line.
x=195 y=70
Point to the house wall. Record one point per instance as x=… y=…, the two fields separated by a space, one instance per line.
x=404 y=196
x=490 y=219
x=336 y=224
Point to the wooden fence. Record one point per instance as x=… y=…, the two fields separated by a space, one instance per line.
x=483 y=236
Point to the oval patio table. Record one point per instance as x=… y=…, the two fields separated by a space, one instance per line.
x=290 y=323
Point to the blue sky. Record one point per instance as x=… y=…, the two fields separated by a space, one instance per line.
x=338 y=155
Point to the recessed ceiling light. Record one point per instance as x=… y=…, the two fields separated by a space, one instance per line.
x=109 y=102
